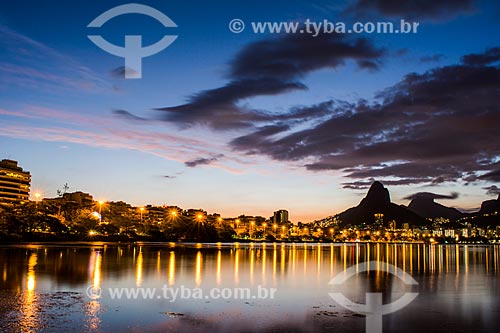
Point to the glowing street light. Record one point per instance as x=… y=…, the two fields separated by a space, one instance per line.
x=264 y=225
x=142 y=211
x=275 y=226
x=37 y=198
x=199 y=217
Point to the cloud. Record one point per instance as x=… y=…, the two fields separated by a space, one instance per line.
x=124 y=114
x=489 y=57
x=365 y=184
x=492 y=190
x=33 y=65
x=492 y=176
x=432 y=10
x=202 y=161
x=119 y=72
x=103 y=131
x=169 y=177
x=430 y=128
x=432 y=58
x=266 y=68
x=428 y=195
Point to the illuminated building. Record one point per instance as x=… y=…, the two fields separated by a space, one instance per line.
x=280 y=216
x=14 y=183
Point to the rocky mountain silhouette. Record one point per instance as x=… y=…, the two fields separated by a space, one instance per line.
x=378 y=201
x=424 y=205
x=490 y=206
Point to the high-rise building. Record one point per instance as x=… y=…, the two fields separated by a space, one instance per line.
x=14 y=183
x=280 y=216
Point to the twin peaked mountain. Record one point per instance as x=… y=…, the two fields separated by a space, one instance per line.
x=421 y=208
x=378 y=201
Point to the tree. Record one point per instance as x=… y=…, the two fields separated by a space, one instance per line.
x=60 y=195
x=85 y=221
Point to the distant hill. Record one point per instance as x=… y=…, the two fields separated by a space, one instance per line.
x=490 y=206
x=425 y=206
x=378 y=201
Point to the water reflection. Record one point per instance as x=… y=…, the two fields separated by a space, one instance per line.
x=138 y=269
x=171 y=268
x=455 y=275
x=92 y=308
x=198 y=268
x=29 y=307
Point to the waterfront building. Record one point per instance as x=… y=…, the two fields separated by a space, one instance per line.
x=280 y=216
x=14 y=183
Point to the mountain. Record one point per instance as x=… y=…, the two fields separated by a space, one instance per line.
x=490 y=206
x=378 y=201
x=425 y=206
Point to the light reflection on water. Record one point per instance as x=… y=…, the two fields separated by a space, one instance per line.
x=458 y=285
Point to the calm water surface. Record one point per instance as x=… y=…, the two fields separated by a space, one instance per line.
x=45 y=287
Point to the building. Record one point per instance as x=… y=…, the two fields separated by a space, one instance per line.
x=280 y=216
x=14 y=183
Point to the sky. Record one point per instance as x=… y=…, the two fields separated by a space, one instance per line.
x=249 y=123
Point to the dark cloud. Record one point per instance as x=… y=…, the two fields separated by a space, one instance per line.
x=492 y=176
x=432 y=58
x=293 y=56
x=202 y=161
x=428 y=195
x=270 y=67
x=489 y=57
x=119 y=72
x=433 y=10
x=492 y=190
x=124 y=114
x=169 y=177
x=218 y=109
x=439 y=126
x=366 y=184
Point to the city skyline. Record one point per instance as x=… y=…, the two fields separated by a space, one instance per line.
x=296 y=140
x=423 y=204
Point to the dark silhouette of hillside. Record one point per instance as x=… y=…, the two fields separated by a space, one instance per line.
x=490 y=206
x=378 y=201
x=424 y=205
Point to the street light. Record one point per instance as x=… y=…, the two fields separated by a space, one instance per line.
x=100 y=206
x=275 y=226
x=37 y=198
x=199 y=217
x=142 y=210
x=264 y=225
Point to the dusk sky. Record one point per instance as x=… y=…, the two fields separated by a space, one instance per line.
x=248 y=123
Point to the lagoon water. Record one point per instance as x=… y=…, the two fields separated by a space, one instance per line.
x=68 y=287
